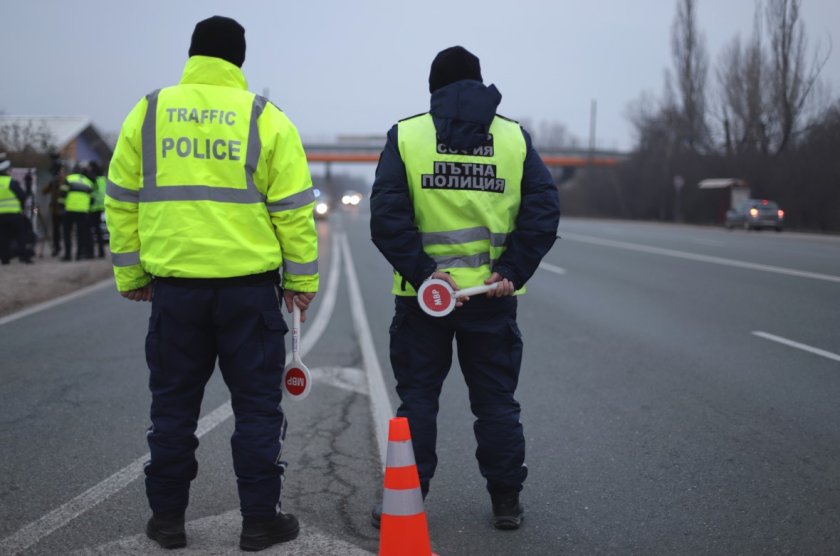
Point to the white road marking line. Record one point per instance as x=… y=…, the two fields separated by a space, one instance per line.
x=345 y=378
x=552 y=268
x=316 y=328
x=40 y=528
x=57 y=301
x=380 y=403
x=797 y=345
x=32 y=533
x=701 y=258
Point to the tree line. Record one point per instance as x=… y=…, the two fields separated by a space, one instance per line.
x=759 y=113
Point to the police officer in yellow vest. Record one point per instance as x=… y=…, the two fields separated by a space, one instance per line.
x=77 y=190
x=11 y=215
x=460 y=194
x=208 y=196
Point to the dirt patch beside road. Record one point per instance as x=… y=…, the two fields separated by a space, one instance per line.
x=24 y=285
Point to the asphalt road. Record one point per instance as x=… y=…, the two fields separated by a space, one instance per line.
x=679 y=392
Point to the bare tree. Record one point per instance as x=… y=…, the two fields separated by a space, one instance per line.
x=690 y=57
x=741 y=77
x=20 y=137
x=792 y=77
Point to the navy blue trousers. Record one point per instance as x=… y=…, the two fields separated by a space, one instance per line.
x=191 y=326
x=490 y=353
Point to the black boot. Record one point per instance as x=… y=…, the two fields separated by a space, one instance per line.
x=260 y=534
x=507 y=512
x=167 y=532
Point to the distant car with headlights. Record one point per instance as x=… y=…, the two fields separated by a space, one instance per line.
x=322 y=205
x=351 y=198
x=756 y=214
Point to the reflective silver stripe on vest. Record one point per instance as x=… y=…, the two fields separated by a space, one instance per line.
x=402 y=502
x=466 y=235
x=78 y=186
x=254 y=143
x=121 y=193
x=295 y=201
x=125 y=259
x=199 y=193
x=467 y=261
x=10 y=204
x=302 y=269
x=151 y=192
x=148 y=135
x=400 y=454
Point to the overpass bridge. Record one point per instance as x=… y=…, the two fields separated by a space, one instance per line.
x=367 y=152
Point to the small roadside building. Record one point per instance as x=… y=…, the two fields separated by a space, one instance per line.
x=73 y=139
x=730 y=192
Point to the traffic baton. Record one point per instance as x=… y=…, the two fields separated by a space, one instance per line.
x=437 y=298
x=297 y=380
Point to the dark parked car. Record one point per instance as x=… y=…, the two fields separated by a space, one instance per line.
x=755 y=214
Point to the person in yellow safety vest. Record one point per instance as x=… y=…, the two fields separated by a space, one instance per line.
x=460 y=194
x=208 y=196
x=77 y=189
x=97 y=207
x=11 y=215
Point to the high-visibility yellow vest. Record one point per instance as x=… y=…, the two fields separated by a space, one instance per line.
x=97 y=203
x=465 y=202
x=209 y=180
x=9 y=203
x=78 y=188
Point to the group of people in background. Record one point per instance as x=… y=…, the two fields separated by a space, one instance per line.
x=77 y=204
x=77 y=207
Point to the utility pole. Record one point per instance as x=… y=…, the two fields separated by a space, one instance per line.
x=593 y=115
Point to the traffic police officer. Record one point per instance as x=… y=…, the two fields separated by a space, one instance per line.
x=77 y=190
x=11 y=215
x=460 y=194
x=202 y=212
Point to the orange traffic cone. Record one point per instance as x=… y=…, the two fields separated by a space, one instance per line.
x=404 y=531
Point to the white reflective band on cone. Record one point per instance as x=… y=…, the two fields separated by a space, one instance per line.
x=400 y=454
x=402 y=503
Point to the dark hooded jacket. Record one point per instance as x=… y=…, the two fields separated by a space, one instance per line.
x=462 y=113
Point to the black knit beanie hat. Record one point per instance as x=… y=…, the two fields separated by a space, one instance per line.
x=220 y=37
x=451 y=65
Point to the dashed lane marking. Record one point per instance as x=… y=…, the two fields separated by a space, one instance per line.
x=701 y=258
x=797 y=345
x=552 y=268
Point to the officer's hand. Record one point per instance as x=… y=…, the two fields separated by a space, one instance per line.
x=146 y=293
x=301 y=299
x=504 y=288
x=449 y=280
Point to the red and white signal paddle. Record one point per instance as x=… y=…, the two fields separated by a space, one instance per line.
x=297 y=381
x=437 y=298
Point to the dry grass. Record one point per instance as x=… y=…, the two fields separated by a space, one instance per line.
x=24 y=285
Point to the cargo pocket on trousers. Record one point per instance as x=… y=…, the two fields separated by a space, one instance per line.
x=274 y=329
x=396 y=322
x=153 y=342
x=515 y=345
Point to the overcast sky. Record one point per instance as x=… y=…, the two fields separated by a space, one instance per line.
x=356 y=67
